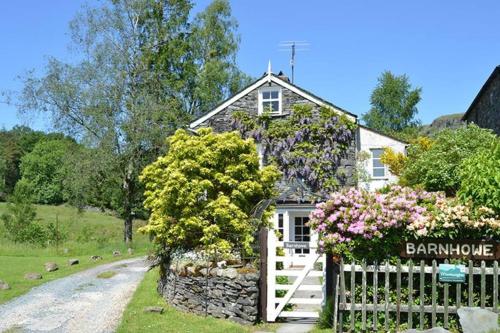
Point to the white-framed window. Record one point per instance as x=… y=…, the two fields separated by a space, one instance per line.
x=270 y=100
x=378 y=169
x=281 y=227
x=302 y=232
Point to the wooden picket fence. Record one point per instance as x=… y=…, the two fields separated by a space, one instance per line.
x=350 y=275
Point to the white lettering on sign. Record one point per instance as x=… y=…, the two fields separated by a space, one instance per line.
x=456 y=249
x=488 y=250
x=410 y=248
x=433 y=248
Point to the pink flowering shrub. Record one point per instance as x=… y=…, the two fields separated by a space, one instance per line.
x=359 y=224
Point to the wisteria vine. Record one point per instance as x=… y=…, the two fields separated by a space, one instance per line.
x=307 y=145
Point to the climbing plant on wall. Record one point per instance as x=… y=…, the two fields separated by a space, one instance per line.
x=307 y=145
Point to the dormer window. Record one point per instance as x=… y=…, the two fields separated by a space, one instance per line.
x=270 y=100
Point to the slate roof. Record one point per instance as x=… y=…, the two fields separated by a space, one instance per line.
x=493 y=76
x=297 y=192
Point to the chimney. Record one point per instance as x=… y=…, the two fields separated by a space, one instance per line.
x=283 y=76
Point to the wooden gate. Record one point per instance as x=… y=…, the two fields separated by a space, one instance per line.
x=277 y=266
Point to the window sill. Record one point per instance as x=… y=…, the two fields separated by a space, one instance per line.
x=278 y=114
x=379 y=178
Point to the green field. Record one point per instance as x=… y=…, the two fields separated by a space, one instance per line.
x=88 y=233
x=172 y=320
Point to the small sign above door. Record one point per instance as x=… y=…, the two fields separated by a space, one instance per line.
x=296 y=245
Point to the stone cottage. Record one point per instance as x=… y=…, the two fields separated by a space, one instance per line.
x=277 y=93
x=485 y=108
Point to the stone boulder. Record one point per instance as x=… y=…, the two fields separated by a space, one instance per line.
x=95 y=258
x=477 y=320
x=51 y=266
x=116 y=253
x=432 y=330
x=154 y=309
x=4 y=285
x=33 y=276
x=130 y=251
x=72 y=262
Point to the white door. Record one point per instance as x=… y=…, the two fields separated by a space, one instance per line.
x=300 y=232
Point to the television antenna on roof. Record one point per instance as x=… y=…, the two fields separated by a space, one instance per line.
x=293 y=46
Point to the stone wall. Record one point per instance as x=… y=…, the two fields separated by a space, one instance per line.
x=221 y=122
x=227 y=293
x=486 y=110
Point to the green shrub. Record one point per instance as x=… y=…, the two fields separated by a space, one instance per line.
x=55 y=233
x=480 y=178
x=20 y=221
x=325 y=319
x=203 y=193
x=437 y=168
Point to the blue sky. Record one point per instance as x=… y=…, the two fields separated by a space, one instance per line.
x=448 y=48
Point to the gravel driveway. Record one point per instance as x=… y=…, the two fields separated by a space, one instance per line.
x=77 y=303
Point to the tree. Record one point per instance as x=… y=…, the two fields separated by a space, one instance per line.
x=202 y=192
x=132 y=89
x=3 y=169
x=20 y=219
x=393 y=104
x=42 y=171
x=479 y=177
x=436 y=167
x=14 y=144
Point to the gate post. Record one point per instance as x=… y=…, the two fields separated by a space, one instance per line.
x=263 y=232
x=332 y=271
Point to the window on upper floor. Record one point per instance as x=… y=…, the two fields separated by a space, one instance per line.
x=270 y=100
x=378 y=169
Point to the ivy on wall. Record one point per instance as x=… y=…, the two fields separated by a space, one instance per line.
x=306 y=145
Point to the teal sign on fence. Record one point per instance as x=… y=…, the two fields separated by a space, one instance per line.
x=452 y=273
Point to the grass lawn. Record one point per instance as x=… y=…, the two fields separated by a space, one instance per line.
x=88 y=233
x=173 y=320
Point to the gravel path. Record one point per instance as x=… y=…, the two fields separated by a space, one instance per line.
x=77 y=303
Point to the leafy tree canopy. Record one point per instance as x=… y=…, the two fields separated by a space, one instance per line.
x=147 y=66
x=14 y=144
x=202 y=192
x=479 y=177
x=436 y=166
x=393 y=104
x=42 y=170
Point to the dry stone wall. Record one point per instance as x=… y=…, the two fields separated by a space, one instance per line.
x=226 y=293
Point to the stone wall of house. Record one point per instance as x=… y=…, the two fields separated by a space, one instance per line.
x=486 y=112
x=221 y=122
x=227 y=293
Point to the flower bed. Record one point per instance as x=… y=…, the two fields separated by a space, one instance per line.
x=359 y=224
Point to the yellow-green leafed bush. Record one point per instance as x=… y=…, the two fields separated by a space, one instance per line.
x=202 y=192
x=480 y=178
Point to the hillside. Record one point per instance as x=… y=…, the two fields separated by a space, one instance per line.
x=440 y=123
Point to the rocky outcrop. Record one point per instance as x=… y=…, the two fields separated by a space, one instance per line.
x=228 y=293
x=450 y=121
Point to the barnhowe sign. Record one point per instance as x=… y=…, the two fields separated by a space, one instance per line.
x=296 y=245
x=451 y=249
